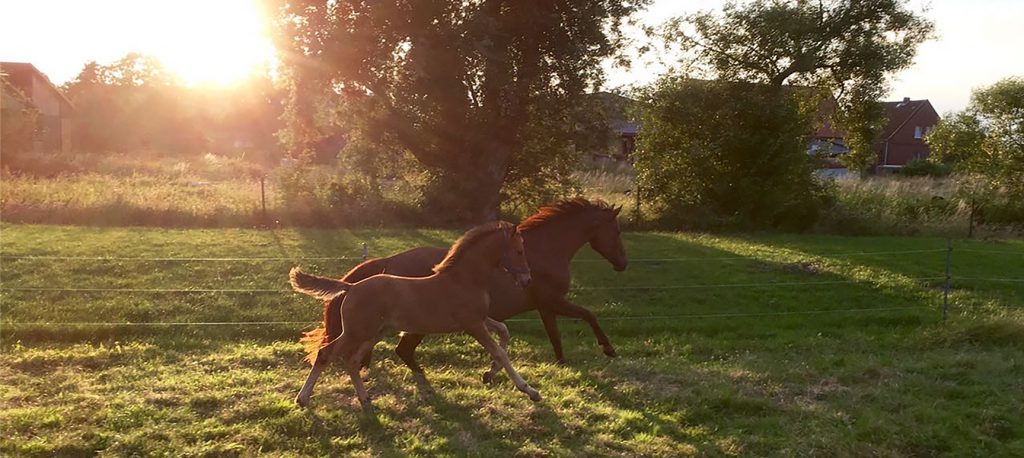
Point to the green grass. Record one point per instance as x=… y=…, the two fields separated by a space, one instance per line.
x=760 y=382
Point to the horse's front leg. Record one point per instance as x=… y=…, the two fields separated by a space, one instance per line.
x=406 y=350
x=550 y=321
x=480 y=333
x=563 y=307
x=503 y=338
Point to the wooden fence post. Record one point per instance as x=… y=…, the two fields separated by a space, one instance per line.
x=263 y=197
x=945 y=290
x=636 y=208
x=970 y=224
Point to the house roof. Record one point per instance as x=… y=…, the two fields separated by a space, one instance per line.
x=899 y=113
x=19 y=75
x=616 y=108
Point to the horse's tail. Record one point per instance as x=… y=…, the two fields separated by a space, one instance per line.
x=330 y=291
x=316 y=339
x=314 y=285
x=312 y=342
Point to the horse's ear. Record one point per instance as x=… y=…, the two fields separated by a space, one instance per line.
x=616 y=210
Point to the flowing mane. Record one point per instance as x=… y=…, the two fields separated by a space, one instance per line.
x=562 y=209
x=467 y=240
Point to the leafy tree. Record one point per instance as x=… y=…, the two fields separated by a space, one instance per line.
x=716 y=154
x=988 y=137
x=132 y=104
x=482 y=93
x=136 y=104
x=848 y=47
x=956 y=139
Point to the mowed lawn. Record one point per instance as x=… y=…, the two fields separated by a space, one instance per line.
x=749 y=345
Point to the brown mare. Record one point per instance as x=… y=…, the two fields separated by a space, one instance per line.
x=552 y=237
x=453 y=298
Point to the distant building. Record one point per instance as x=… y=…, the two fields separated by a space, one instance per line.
x=826 y=142
x=903 y=136
x=53 y=124
x=622 y=131
x=901 y=140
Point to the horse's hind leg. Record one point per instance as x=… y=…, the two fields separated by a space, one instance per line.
x=479 y=332
x=302 y=399
x=352 y=365
x=503 y=339
x=328 y=353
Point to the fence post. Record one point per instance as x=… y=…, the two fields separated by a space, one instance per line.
x=945 y=291
x=636 y=208
x=970 y=224
x=263 y=197
x=366 y=252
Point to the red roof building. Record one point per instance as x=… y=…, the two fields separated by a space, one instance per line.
x=902 y=138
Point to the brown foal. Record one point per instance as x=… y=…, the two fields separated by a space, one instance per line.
x=552 y=237
x=453 y=298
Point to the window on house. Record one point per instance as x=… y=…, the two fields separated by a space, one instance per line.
x=917 y=132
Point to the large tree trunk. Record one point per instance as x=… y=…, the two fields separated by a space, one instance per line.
x=469 y=192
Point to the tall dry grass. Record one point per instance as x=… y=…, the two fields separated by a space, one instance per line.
x=922 y=205
x=123 y=189
x=213 y=190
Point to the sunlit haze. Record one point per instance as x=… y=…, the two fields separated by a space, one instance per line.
x=220 y=41
x=203 y=42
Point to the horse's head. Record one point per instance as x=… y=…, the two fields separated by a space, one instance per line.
x=514 y=258
x=606 y=238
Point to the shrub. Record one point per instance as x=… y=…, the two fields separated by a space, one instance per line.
x=719 y=155
x=924 y=167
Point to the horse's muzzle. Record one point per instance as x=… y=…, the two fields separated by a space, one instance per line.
x=522 y=279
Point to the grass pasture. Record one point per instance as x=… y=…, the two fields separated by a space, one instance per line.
x=764 y=345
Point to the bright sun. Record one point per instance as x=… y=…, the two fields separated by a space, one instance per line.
x=212 y=42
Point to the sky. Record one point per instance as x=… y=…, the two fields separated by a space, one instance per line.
x=204 y=41
x=219 y=41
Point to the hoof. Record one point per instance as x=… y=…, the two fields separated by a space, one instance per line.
x=302 y=402
x=610 y=352
x=366 y=404
x=561 y=362
x=488 y=378
x=534 y=395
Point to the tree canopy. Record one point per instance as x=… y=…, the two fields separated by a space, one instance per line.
x=717 y=154
x=482 y=93
x=136 y=104
x=848 y=47
x=988 y=137
x=733 y=150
